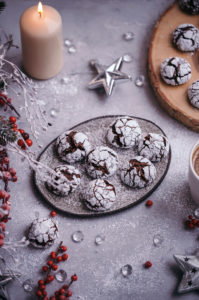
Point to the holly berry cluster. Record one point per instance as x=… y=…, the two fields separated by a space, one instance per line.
x=6 y=174
x=25 y=140
x=191 y=223
x=52 y=265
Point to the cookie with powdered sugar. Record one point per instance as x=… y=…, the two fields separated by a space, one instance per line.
x=139 y=173
x=43 y=232
x=99 y=195
x=124 y=133
x=193 y=94
x=101 y=162
x=154 y=146
x=190 y=6
x=186 y=37
x=64 y=180
x=175 y=71
x=72 y=146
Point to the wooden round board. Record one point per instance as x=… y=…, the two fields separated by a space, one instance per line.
x=173 y=98
x=96 y=130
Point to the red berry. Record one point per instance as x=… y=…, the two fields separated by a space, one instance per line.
x=12 y=119
x=148 y=264
x=29 y=142
x=6 y=160
x=65 y=286
x=12 y=171
x=50 y=263
x=1 y=236
x=52 y=298
x=62 y=297
x=42 y=287
x=53 y=214
x=25 y=136
x=69 y=293
x=45 y=268
x=20 y=142
x=1 y=242
x=2 y=194
x=14 y=126
x=6 y=175
x=194 y=221
x=74 y=277
x=50 y=278
x=63 y=248
x=62 y=291
x=191 y=226
x=41 y=282
x=59 y=258
x=39 y=293
x=45 y=298
x=54 y=267
x=53 y=255
x=14 y=178
x=44 y=293
x=64 y=257
x=56 y=293
x=190 y=217
x=21 y=131
x=149 y=203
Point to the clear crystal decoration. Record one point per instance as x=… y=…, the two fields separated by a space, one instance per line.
x=157 y=240
x=64 y=80
x=139 y=81
x=61 y=276
x=126 y=270
x=53 y=113
x=67 y=42
x=196 y=213
x=128 y=36
x=72 y=49
x=127 y=58
x=28 y=285
x=99 y=239
x=78 y=236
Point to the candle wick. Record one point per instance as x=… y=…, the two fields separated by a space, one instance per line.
x=40 y=14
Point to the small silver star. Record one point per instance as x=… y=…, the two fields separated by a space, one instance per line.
x=190 y=266
x=107 y=76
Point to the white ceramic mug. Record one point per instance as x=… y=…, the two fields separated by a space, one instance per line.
x=193 y=176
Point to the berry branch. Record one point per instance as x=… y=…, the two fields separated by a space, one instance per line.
x=55 y=258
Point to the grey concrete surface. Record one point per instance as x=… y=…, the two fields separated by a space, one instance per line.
x=96 y=28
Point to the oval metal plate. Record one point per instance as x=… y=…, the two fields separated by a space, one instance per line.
x=126 y=197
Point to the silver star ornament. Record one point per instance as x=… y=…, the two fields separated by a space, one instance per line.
x=190 y=267
x=106 y=76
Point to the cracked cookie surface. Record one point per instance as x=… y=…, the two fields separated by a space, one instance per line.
x=65 y=181
x=100 y=195
x=193 y=94
x=154 y=147
x=72 y=146
x=189 y=6
x=124 y=133
x=43 y=232
x=186 y=37
x=175 y=71
x=101 y=162
x=139 y=173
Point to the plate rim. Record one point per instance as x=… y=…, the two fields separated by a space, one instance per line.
x=105 y=213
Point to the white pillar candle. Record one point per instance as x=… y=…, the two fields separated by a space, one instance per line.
x=41 y=38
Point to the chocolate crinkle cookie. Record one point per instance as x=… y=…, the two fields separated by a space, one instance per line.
x=193 y=94
x=175 y=70
x=99 y=195
x=64 y=180
x=124 y=132
x=102 y=162
x=43 y=232
x=186 y=37
x=72 y=146
x=139 y=173
x=154 y=146
x=190 y=6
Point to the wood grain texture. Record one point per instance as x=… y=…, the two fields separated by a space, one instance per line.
x=173 y=98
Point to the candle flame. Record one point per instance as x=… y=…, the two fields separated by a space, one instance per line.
x=40 y=8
